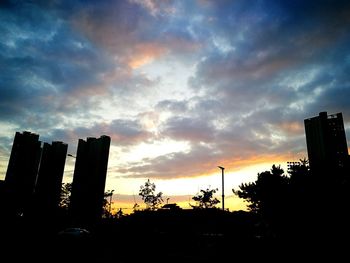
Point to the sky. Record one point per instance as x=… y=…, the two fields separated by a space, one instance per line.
x=180 y=86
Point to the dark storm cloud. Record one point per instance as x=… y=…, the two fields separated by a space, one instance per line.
x=44 y=63
x=130 y=31
x=261 y=67
x=287 y=60
x=61 y=60
x=269 y=38
x=174 y=165
x=172 y=106
x=123 y=132
x=194 y=130
x=54 y=55
x=266 y=132
x=128 y=132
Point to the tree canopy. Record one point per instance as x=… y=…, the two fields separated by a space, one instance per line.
x=66 y=190
x=266 y=192
x=205 y=199
x=282 y=200
x=149 y=195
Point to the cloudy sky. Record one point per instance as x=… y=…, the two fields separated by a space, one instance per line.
x=180 y=86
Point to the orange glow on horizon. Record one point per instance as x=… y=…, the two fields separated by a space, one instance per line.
x=234 y=165
x=232 y=203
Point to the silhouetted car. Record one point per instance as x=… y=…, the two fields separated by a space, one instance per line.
x=74 y=232
x=73 y=243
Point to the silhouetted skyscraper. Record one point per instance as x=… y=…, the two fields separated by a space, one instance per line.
x=48 y=185
x=22 y=170
x=326 y=141
x=89 y=179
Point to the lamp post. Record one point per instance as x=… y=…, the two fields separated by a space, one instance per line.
x=223 y=195
x=110 y=202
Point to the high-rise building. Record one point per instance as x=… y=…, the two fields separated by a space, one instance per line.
x=89 y=179
x=49 y=181
x=22 y=170
x=326 y=141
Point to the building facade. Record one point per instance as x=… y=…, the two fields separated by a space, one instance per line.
x=89 y=179
x=49 y=181
x=22 y=170
x=326 y=141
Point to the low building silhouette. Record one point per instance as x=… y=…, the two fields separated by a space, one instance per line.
x=171 y=207
x=49 y=181
x=89 y=179
x=22 y=171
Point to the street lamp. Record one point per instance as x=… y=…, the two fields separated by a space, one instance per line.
x=71 y=155
x=110 y=202
x=223 y=195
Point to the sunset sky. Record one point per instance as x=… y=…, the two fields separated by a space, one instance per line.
x=180 y=86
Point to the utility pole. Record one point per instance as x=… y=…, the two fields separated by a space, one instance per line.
x=223 y=195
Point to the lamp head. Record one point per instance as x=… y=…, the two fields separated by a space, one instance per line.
x=222 y=168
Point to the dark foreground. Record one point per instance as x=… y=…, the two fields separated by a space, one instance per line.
x=170 y=236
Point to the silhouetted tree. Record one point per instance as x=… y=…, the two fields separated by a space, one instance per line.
x=270 y=197
x=283 y=201
x=66 y=190
x=205 y=199
x=265 y=193
x=148 y=195
x=135 y=207
x=300 y=171
x=119 y=213
x=107 y=204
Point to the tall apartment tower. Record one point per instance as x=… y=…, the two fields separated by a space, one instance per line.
x=89 y=179
x=22 y=170
x=326 y=141
x=49 y=181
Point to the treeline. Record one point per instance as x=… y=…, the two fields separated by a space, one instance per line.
x=302 y=208
x=295 y=214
